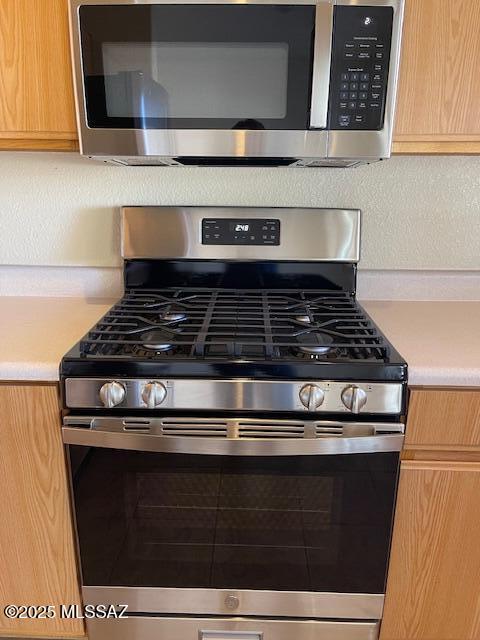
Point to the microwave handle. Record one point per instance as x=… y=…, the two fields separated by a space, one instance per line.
x=322 y=54
x=146 y=435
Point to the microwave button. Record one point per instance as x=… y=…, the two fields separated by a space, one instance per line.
x=344 y=86
x=376 y=96
x=362 y=105
x=348 y=55
x=354 y=77
x=379 y=45
x=364 y=86
x=354 y=86
x=343 y=95
x=377 y=77
x=344 y=77
x=379 y=55
x=365 y=46
x=376 y=87
x=359 y=119
x=350 y=46
x=344 y=120
x=353 y=95
x=374 y=105
x=378 y=67
x=343 y=105
x=352 y=105
x=364 y=55
x=364 y=77
x=363 y=95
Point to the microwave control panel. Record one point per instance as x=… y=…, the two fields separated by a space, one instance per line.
x=360 y=62
x=241 y=231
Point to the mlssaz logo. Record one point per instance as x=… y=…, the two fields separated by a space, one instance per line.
x=100 y=611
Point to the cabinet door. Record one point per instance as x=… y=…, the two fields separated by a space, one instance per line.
x=438 y=106
x=36 y=94
x=37 y=557
x=434 y=577
x=444 y=419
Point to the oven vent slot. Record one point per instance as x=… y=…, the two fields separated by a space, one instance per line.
x=139 y=426
x=271 y=430
x=260 y=429
x=194 y=428
x=328 y=432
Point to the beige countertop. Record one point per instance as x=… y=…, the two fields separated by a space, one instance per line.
x=439 y=340
x=35 y=333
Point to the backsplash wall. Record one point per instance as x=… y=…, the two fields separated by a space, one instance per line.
x=418 y=213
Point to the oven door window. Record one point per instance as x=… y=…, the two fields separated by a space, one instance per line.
x=232 y=66
x=316 y=523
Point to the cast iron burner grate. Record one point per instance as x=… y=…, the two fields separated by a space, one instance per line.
x=236 y=324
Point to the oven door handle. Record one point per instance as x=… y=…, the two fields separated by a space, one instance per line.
x=233 y=437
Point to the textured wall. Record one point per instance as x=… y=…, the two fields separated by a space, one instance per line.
x=419 y=213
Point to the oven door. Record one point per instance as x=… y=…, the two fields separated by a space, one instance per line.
x=200 y=78
x=234 y=517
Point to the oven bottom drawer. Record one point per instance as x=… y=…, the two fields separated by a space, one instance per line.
x=232 y=628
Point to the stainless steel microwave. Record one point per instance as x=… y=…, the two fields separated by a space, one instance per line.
x=236 y=82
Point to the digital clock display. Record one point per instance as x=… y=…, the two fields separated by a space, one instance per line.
x=238 y=227
x=244 y=231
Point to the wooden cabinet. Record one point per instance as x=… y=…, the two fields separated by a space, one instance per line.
x=36 y=94
x=444 y=419
x=434 y=578
x=438 y=109
x=37 y=557
x=433 y=588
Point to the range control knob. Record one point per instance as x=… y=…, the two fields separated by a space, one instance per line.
x=112 y=394
x=153 y=394
x=354 y=398
x=232 y=602
x=311 y=396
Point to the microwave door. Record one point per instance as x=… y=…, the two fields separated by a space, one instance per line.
x=219 y=67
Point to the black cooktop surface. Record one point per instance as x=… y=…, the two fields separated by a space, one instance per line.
x=229 y=332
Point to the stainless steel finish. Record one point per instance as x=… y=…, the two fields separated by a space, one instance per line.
x=230 y=635
x=150 y=628
x=354 y=398
x=322 y=54
x=112 y=394
x=289 y=604
x=368 y=145
x=153 y=394
x=312 y=148
x=232 y=436
x=311 y=396
x=236 y=394
x=331 y=235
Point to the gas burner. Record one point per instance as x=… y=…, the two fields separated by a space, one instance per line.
x=173 y=316
x=157 y=340
x=305 y=319
x=315 y=343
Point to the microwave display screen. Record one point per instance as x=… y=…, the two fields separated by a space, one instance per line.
x=196 y=80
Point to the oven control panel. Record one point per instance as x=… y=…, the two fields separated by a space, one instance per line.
x=242 y=231
x=235 y=395
x=360 y=62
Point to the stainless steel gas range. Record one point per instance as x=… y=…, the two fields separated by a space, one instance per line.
x=233 y=426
